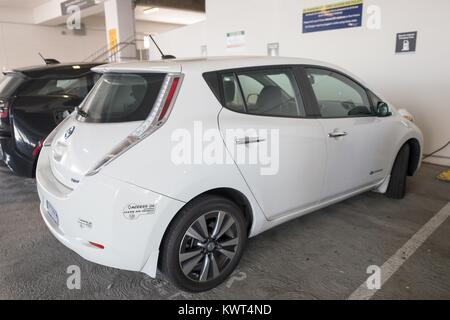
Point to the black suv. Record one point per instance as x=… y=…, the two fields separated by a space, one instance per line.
x=33 y=101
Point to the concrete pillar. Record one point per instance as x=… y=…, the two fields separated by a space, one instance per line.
x=120 y=28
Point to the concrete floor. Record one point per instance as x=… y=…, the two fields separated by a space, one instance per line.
x=320 y=256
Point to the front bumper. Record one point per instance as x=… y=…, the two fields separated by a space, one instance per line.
x=125 y=219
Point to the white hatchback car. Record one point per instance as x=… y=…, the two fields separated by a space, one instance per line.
x=175 y=164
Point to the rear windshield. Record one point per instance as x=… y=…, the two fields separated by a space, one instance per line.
x=9 y=84
x=122 y=97
x=77 y=88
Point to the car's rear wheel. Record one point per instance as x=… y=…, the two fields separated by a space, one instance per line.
x=397 y=184
x=204 y=244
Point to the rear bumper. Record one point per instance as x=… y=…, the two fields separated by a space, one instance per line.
x=100 y=210
x=17 y=163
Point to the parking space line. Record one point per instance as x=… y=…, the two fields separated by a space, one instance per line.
x=403 y=254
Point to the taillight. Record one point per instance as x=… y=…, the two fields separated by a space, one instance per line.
x=38 y=148
x=167 y=104
x=4 y=110
x=158 y=116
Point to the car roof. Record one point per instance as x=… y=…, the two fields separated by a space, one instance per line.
x=209 y=64
x=204 y=64
x=56 y=70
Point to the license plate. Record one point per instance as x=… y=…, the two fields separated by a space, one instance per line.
x=52 y=213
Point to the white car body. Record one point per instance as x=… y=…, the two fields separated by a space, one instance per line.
x=314 y=170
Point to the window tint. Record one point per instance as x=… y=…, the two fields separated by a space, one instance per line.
x=123 y=97
x=337 y=95
x=233 y=98
x=78 y=88
x=271 y=92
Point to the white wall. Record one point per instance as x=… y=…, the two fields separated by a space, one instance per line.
x=184 y=42
x=20 y=44
x=419 y=82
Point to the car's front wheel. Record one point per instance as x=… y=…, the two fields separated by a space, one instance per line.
x=397 y=184
x=204 y=243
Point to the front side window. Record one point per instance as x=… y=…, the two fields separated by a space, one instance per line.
x=337 y=95
x=122 y=97
x=375 y=100
x=77 y=88
x=272 y=92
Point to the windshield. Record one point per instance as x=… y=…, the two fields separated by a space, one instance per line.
x=9 y=84
x=122 y=97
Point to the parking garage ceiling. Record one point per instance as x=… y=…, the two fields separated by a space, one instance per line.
x=193 y=5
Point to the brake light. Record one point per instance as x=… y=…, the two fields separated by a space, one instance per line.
x=4 y=110
x=173 y=89
x=38 y=148
x=158 y=116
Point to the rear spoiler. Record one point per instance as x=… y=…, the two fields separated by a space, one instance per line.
x=51 y=61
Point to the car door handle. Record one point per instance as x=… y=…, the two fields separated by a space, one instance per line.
x=249 y=140
x=337 y=134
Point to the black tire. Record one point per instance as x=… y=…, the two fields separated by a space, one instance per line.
x=397 y=184
x=177 y=238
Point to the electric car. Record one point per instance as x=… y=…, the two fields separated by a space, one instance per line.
x=33 y=101
x=173 y=165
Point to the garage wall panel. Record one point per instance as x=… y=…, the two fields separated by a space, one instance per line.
x=417 y=81
x=21 y=43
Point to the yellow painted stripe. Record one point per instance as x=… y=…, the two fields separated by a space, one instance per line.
x=333 y=6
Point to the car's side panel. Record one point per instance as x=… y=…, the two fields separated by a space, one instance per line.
x=359 y=159
x=180 y=148
x=285 y=171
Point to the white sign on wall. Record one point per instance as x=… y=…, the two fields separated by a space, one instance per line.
x=236 y=41
x=273 y=49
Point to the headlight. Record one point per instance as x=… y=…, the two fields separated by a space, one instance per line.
x=406 y=114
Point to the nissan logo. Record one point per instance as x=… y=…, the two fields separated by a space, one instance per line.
x=69 y=133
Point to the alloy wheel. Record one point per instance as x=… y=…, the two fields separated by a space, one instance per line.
x=209 y=246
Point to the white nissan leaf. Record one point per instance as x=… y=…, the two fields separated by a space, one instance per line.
x=173 y=165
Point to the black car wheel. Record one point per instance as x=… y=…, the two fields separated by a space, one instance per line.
x=204 y=244
x=397 y=184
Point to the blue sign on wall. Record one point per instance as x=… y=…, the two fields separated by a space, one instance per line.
x=334 y=16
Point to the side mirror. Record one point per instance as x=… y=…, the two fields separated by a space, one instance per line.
x=383 y=110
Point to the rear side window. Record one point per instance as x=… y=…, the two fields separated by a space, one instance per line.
x=232 y=94
x=9 y=84
x=271 y=92
x=77 y=88
x=122 y=97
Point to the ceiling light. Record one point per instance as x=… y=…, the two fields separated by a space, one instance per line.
x=151 y=10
